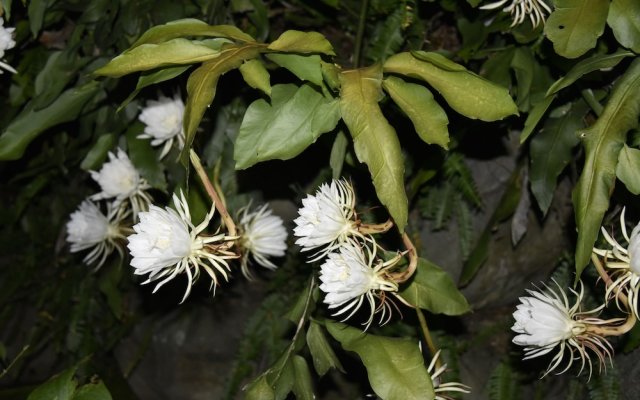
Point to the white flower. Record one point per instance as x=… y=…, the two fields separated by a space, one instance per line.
x=436 y=378
x=546 y=321
x=6 y=43
x=163 y=120
x=519 y=9
x=327 y=219
x=166 y=243
x=349 y=277
x=120 y=180
x=263 y=236
x=88 y=227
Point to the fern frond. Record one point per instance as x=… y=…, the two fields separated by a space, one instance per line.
x=457 y=172
x=503 y=383
x=466 y=233
x=605 y=386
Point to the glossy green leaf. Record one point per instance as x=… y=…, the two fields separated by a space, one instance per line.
x=575 y=26
x=302 y=42
x=432 y=289
x=302 y=386
x=201 y=87
x=190 y=27
x=150 y=56
x=260 y=390
x=429 y=119
x=624 y=20
x=534 y=117
x=375 y=141
x=628 y=169
x=256 y=75
x=466 y=92
x=603 y=142
x=30 y=124
x=551 y=150
x=151 y=78
x=281 y=130
x=92 y=391
x=395 y=366
x=305 y=67
x=323 y=355
x=98 y=153
x=58 y=387
x=145 y=157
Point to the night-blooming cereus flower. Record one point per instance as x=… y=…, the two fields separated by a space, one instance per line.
x=327 y=218
x=520 y=9
x=263 y=235
x=546 y=321
x=166 y=243
x=6 y=43
x=88 y=228
x=625 y=263
x=443 y=387
x=163 y=120
x=349 y=277
x=119 y=180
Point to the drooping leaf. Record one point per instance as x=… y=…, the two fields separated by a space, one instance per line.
x=628 y=168
x=59 y=387
x=61 y=67
x=595 y=63
x=603 y=142
x=338 y=152
x=375 y=141
x=624 y=20
x=190 y=27
x=535 y=115
x=256 y=75
x=551 y=150
x=323 y=355
x=522 y=64
x=92 y=391
x=395 y=366
x=302 y=386
x=30 y=124
x=293 y=41
x=432 y=289
x=151 y=78
x=281 y=130
x=466 y=92
x=417 y=102
x=305 y=67
x=575 y=26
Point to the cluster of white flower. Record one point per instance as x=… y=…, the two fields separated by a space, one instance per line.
x=6 y=43
x=351 y=271
x=536 y=10
x=163 y=120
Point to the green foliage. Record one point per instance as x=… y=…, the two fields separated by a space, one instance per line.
x=605 y=386
x=64 y=387
x=624 y=20
x=503 y=383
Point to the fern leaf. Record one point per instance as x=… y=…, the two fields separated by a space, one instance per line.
x=457 y=172
x=465 y=227
x=503 y=383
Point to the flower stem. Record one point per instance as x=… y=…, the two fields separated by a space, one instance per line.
x=369 y=229
x=607 y=280
x=427 y=337
x=218 y=203
x=405 y=275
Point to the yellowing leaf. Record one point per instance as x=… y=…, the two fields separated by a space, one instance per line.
x=302 y=42
x=256 y=75
x=190 y=27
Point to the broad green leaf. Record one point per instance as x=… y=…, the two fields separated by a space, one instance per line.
x=302 y=42
x=338 y=153
x=395 y=366
x=36 y=11
x=92 y=391
x=151 y=78
x=603 y=142
x=375 y=141
x=551 y=150
x=30 y=124
x=201 y=86
x=523 y=64
x=282 y=376
x=281 y=130
x=628 y=169
x=432 y=289
x=260 y=390
x=624 y=20
x=497 y=68
x=151 y=56
x=438 y=60
x=429 y=119
x=98 y=152
x=256 y=75
x=575 y=26
x=535 y=115
x=595 y=63
x=305 y=67
x=61 y=67
x=302 y=386
x=466 y=92
x=58 y=387
x=145 y=157
x=190 y=27
x=323 y=355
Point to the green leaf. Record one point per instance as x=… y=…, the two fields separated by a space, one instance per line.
x=628 y=167
x=151 y=56
x=624 y=20
x=260 y=390
x=60 y=68
x=387 y=37
x=145 y=157
x=338 y=152
x=551 y=151
x=395 y=366
x=595 y=63
x=302 y=42
x=466 y=92
x=302 y=386
x=92 y=391
x=30 y=124
x=58 y=387
x=535 y=115
x=432 y=289
x=438 y=60
x=323 y=355
x=375 y=141
x=98 y=153
x=201 y=86
x=151 y=78
x=36 y=11
x=429 y=119
x=575 y=26
x=305 y=67
x=281 y=130
x=256 y=75
x=190 y=27
x=603 y=142
x=523 y=63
